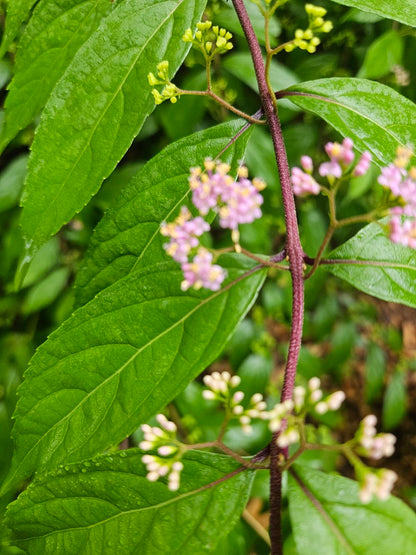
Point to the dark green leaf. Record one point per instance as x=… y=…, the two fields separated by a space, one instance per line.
x=121 y=358
x=384 y=269
x=395 y=402
x=98 y=107
x=127 y=238
x=54 y=34
x=17 y=13
x=375 y=368
x=375 y=116
x=328 y=518
x=399 y=10
x=108 y=506
x=385 y=52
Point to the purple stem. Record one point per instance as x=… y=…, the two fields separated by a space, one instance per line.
x=295 y=254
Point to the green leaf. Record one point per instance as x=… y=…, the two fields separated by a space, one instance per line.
x=128 y=238
x=241 y=66
x=383 y=269
x=108 y=506
x=375 y=369
x=328 y=518
x=375 y=116
x=121 y=358
x=98 y=107
x=11 y=182
x=385 y=52
x=395 y=402
x=399 y=10
x=17 y=13
x=53 y=36
x=45 y=292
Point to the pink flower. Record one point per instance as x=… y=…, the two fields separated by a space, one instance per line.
x=183 y=233
x=403 y=232
x=236 y=201
x=307 y=164
x=331 y=168
x=202 y=273
x=363 y=164
x=303 y=183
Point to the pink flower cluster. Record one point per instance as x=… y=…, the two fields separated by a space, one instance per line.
x=402 y=184
x=183 y=234
x=235 y=201
x=341 y=156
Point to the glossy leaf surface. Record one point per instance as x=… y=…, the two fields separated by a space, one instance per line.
x=121 y=358
x=399 y=10
x=54 y=34
x=17 y=13
x=385 y=270
x=98 y=107
x=357 y=109
x=328 y=518
x=94 y=507
x=128 y=238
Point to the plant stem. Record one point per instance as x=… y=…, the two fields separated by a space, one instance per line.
x=223 y=103
x=295 y=255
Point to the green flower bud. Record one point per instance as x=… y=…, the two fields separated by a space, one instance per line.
x=152 y=80
x=188 y=36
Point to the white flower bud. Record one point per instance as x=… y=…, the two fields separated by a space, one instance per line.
x=314 y=383
x=321 y=408
x=238 y=397
x=335 y=400
x=208 y=395
x=316 y=395
x=177 y=466
x=152 y=476
x=256 y=398
x=146 y=445
x=235 y=381
x=166 y=450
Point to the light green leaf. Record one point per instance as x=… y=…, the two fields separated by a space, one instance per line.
x=240 y=64
x=228 y=19
x=45 y=292
x=11 y=182
x=384 y=53
x=108 y=506
x=51 y=39
x=98 y=107
x=399 y=10
x=128 y=238
x=328 y=518
x=17 y=13
x=395 y=402
x=375 y=116
x=122 y=357
x=383 y=269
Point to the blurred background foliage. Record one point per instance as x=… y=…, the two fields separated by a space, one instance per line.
x=352 y=341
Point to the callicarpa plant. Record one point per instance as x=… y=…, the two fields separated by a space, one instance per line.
x=128 y=437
